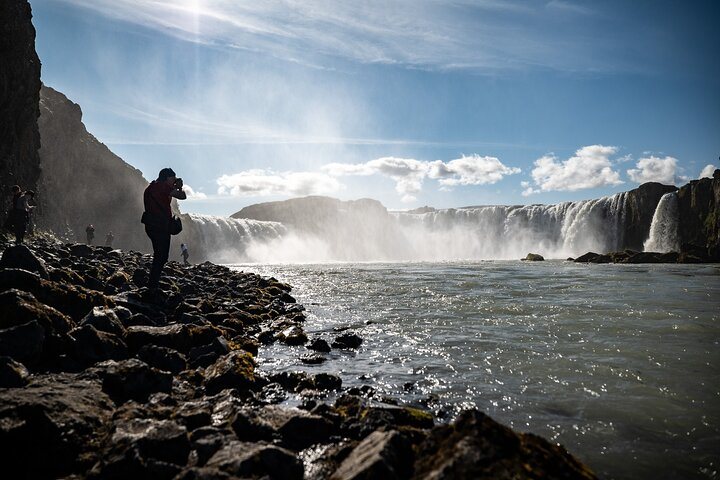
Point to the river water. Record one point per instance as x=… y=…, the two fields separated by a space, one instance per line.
x=618 y=363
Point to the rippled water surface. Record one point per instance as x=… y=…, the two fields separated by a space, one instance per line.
x=619 y=363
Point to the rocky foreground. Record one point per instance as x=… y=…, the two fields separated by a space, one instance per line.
x=99 y=380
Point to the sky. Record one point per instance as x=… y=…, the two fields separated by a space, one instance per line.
x=413 y=102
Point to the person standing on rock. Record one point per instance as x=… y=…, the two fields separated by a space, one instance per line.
x=185 y=253
x=18 y=214
x=90 y=234
x=109 y=239
x=157 y=216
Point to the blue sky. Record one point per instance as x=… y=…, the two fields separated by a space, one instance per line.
x=440 y=103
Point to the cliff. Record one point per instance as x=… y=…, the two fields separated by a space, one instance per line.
x=83 y=182
x=19 y=95
x=699 y=206
x=640 y=204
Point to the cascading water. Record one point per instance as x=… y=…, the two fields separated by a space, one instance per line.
x=664 y=235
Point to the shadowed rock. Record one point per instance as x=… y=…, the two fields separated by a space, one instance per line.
x=234 y=370
x=255 y=460
x=382 y=454
x=20 y=256
x=12 y=374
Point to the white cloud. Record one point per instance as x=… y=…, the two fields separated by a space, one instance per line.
x=654 y=169
x=409 y=174
x=708 y=171
x=192 y=194
x=253 y=183
x=589 y=168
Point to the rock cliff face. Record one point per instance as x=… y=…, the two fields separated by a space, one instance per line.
x=19 y=94
x=699 y=205
x=83 y=182
x=640 y=204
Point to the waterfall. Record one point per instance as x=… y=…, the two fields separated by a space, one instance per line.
x=664 y=236
x=224 y=239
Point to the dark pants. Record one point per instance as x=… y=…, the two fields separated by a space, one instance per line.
x=19 y=222
x=161 y=251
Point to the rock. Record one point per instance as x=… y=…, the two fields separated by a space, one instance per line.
x=12 y=374
x=105 y=320
x=297 y=428
x=52 y=427
x=20 y=256
x=163 y=358
x=312 y=359
x=206 y=355
x=23 y=343
x=347 y=340
x=204 y=473
x=256 y=460
x=293 y=336
x=205 y=441
x=132 y=380
x=194 y=415
x=93 y=345
x=319 y=345
x=592 y=257
x=81 y=250
x=477 y=447
x=174 y=336
x=163 y=440
x=326 y=381
x=534 y=257
x=20 y=307
x=234 y=370
x=382 y=454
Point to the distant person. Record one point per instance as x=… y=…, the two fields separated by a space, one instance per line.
x=109 y=239
x=29 y=198
x=185 y=253
x=17 y=219
x=157 y=216
x=90 y=234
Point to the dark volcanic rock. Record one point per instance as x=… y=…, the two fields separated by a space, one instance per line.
x=699 y=208
x=234 y=370
x=639 y=208
x=132 y=380
x=382 y=454
x=347 y=340
x=93 y=346
x=53 y=426
x=256 y=460
x=19 y=98
x=477 y=447
x=12 y=374
x=23 y=342
x=163 y=358
x=20 y=256
x=534 y=257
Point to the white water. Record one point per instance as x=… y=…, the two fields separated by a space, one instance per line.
x=664 y=236
x=473 y=233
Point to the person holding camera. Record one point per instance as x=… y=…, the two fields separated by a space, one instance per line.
x=157 y=216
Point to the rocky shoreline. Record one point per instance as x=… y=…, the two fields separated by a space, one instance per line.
x=100 y=381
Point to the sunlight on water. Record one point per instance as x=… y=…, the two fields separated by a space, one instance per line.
x=619 y=363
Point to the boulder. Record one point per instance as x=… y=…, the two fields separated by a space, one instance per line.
x=20 y=307
x=131 y=379
x=257 y=460
x=81 y=250
x=52 y=427
x=292 y=336
x=319 y=345
x=234 y=370
x=93 y=345
x=104 y=319
x=23 y=343
x=477 y=447
x=20 y=256
x=297 y=428
x=12 y=374
x=206 y=355
x=592 y=257
x=173 y=336
x=164 y=440
x=382 y=454
x=534 y=257
x=163 y=358
x=348 y=341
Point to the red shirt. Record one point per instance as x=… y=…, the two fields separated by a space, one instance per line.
x=157 y=198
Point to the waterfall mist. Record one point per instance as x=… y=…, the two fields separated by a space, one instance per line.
x=351 y=233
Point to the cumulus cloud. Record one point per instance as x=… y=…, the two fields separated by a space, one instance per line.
x=708 y=171
x=252 y=183
x=409 y=174
x=589 y=168
x=654 y=169
x=192 y=194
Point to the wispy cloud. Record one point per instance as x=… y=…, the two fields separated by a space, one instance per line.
x=409 y=174
x=654 y=169
x=192 y=194
x=262 y=183
x=589 y=168
x=481 y=35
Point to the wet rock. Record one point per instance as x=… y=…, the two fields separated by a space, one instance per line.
x=205 y=441
x=53 y=426
x=20 y=307
x=312 y=359
x=204 y=473
x=163 y=358
x=592 y=257
x=23 y=343
x=93 y=345
x=244 y=459
x=293 y=336
x=12 y=374
x=194 y=414
x=132 y=380
x=163 y=440
x=105 y=320
x=477 y=447
x=382 y=454
x=234 y=370
x=327 y=381
x=208 y=354
x=533 y=257
x=347 y=341
x=81 y=250
x=173 y=336
x=297 y=428
x=20 y=256
x=319 y=345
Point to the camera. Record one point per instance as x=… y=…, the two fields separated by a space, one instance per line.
x=178 y=183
